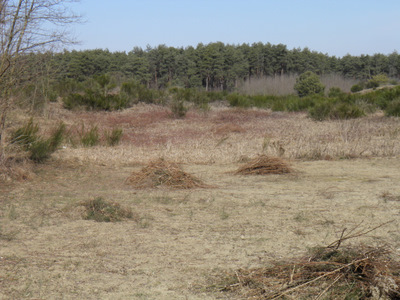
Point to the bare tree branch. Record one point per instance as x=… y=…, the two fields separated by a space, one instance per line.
x=27 y=26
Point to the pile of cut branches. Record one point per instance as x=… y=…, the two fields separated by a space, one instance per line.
x=263 y=165
x=356 y=272
x=162 y=173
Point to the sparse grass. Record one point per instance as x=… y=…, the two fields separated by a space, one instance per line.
x=90 y=137
x=113 y=137
x=145 y=221
x=388 y=196
x=301 y=217
x=223 y=214
x=163 y=199
x=7 y=234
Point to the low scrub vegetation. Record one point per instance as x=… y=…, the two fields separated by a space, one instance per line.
x=90 y=137
x=101 y=210
x=93 y=136
x=93 y=100
x=337 y=105
x=38 y=147
x=306 y=94
x=114 y=136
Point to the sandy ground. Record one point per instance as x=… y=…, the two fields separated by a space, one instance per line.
x=182 y=239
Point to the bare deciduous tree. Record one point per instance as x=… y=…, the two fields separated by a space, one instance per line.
x=27 y=26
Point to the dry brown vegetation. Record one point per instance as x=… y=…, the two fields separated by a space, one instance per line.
x=160 y=173
x=264 y=165
x=179 y=241
x=332 y=272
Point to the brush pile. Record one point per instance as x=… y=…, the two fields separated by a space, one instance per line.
x=264 y=165
x=160 y=173
x=349 y=273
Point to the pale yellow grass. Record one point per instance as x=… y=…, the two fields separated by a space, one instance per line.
x=197 y=139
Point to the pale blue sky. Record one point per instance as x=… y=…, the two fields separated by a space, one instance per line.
x=336 y=27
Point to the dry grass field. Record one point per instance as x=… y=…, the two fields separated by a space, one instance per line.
x=179 y=243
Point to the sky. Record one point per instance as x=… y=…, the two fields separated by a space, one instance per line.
x=334 y=27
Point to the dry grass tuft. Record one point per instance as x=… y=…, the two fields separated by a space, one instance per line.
x=388 y=196
x=264 y=165
x=162 y=173
x=15 y=166
x=101 y=210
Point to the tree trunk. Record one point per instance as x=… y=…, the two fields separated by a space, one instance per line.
x=3 y=115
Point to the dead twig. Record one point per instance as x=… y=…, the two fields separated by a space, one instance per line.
x=291 y=289
x=329 y=286
x=342 y=238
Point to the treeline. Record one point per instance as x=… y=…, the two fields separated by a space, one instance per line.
x=215 y=66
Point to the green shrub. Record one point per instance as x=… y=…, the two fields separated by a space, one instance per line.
x=101 y=210
x=38 y=147
x=357 y=88
x=90 y=137
x=381 y=98
x=372 y=84
x=320 y=111
x=40 y=150
x=264 y=101
x=113 y=138
x=308 y=83
x=147 y=95
x=343 y=111
x=67 y=86
x=57 y=137
x=393 y=108
x=335 y=92
x=239 y=100
x=25 y=135
x=181 y=94
x=330 y=110
x=216 y=95
x=380 y=79
x=95 y=100
x=199 y=98
x=178 y=108
x=73 y=101
x=294 y=103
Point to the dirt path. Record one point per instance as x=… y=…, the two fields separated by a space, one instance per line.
x=182 y=238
